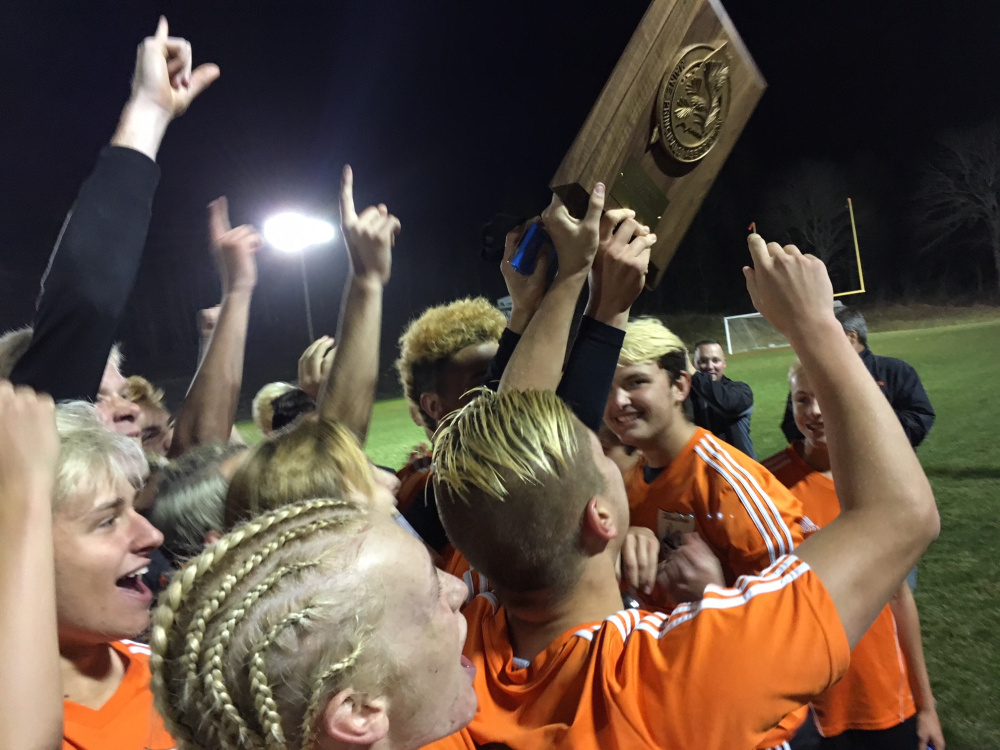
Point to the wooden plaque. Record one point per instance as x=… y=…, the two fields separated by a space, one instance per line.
x=665 y=121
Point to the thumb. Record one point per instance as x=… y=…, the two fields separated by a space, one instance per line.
x=751 y=278
x=202 y=77
x=218 y=219
x=595 y=208
x=162 y=31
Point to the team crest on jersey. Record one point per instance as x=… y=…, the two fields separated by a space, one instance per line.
x=671 y=528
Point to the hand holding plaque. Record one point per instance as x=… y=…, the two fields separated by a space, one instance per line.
x=665 y=122
x=575 y=239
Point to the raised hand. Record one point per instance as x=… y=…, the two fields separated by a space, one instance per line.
x=619 y=272
x=688 y=570
x=30 y=696
x=163 y=75
x=369 y=236
x=526 y=292
x=314 y=365
x=235 y=249
x=792 y=290
x=29 y=445
x=575 y=239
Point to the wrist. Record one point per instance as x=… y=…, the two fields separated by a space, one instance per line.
x=239 y=291
x=519 y=319
x=612 y=317
x=141 y=127
x=367 y=283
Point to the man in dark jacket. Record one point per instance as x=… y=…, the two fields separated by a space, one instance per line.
x=898 y=381
x=721 y=405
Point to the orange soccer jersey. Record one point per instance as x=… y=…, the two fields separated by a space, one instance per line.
x=747 y=517
x=128 y=720
x=414 y=478
x=875 y=692
x=715 y=673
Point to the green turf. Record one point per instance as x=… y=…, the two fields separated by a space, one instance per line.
x=958 y=593
x=959 y=585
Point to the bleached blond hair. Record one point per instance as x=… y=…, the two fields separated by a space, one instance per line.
x=262 y=410
x=438 y=334
x=648 y=340
x=91 y=455
x=256 y=634
x=513 y=473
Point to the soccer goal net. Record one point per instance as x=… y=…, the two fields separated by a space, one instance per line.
x=745 y=333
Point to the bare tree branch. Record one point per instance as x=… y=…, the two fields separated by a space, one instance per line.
x=960 y=190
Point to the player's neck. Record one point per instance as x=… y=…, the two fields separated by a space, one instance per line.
x=534 y=622
x=817 y=456
x=669 y=443
x=91 y=673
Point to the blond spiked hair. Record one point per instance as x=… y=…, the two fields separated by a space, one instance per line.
x=647 y=340
x=253 y=636
x=513 y=474
x=438 y=334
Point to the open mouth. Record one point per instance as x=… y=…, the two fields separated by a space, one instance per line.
x=133 y=583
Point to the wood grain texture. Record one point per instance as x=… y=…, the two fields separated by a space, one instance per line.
x=621 y=122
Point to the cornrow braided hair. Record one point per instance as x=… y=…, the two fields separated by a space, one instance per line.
x=323 y=686
x=255 y=599
x=267 y=711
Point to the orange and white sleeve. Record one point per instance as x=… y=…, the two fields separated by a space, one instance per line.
x=754 y=520
x=723 y=671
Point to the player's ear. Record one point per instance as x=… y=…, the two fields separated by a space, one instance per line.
x=599 y=519
x=354 y=720
x=430 y=403
x=682 y=387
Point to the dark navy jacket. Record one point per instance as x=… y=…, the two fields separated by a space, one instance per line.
x=901 y=385
x=723 y=407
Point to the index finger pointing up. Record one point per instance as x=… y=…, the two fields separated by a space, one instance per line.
x=218 y=218
x=347 y=213
x=758 y=250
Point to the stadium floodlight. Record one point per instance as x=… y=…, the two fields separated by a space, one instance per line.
x=293 y=232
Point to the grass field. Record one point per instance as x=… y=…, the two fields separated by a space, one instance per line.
x=959 y=583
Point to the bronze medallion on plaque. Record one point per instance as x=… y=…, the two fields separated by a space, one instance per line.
x=693 y=102
x=666 y=120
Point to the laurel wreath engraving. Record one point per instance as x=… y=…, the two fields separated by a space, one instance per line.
x=700 y=107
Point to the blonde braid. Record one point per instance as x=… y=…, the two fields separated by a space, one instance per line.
x=165 y=639
x=213 y=680
x=321 y=688
x=267 y=711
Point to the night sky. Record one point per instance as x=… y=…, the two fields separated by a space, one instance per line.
x=449 y=112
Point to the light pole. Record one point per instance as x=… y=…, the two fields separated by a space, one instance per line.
x=292 y=232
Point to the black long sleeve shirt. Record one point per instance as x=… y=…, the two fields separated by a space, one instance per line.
x=90 y=276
